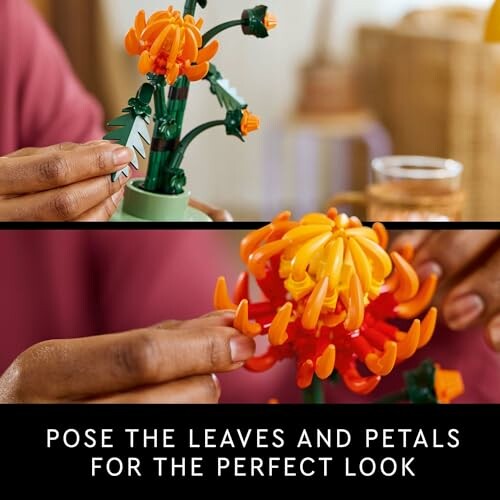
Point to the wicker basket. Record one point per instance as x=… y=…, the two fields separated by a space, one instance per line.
x=436 y=87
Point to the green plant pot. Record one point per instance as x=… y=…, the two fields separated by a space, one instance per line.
x=141 y=206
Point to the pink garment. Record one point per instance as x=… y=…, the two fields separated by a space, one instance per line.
x=63 y=284
x=41 y=101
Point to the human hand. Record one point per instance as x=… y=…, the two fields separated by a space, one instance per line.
x=170 y=363
x=216 y=214
x=468 y=264
x=66 y=182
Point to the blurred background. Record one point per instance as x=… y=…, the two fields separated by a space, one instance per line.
x=340 y=82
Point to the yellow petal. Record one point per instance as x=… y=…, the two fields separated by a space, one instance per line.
x=306 y=253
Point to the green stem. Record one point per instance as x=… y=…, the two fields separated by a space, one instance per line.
x=220 y=28
x=157 y=158
x=397 y=397
x=315 y=393
x=190 y=7
x=178 y=156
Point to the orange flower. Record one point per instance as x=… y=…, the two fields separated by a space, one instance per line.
x=270 y=21
x=170 y=45
x=249 y=122
x=331 y=290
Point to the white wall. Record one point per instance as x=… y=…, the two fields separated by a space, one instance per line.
x=222 y=170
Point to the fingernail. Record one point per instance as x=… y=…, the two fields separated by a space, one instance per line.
x=494 y=333
x=242 y=348
x=217 y=385
x=122 y=156
x=425 y=270
x=118 y=197
x=463 y=311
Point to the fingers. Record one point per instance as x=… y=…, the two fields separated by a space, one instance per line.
x=65 y=146
x=62 y=204
x=85 y=368
x=476 y=300
x=193 y=390
x=414 y=238
x=216 y=318
x=55 y=168
x=216 y=214
x=447 y=253
x=104 y=211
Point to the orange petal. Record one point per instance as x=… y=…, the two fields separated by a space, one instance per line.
x=258 y=260
x=407 y=252
x=199 y=23
x=140 y=21
x=173 y=74
x=304 y=256
x=408 y=342
x=190 y=51
x=416 y=306
x=383 y=365
x=316 y=219
x=342 y=221
x=160 y=40
x=145 y=63
x=448 y=385
x=334 y=262
x=365 y=232
x=261 y=363
x=153 y=31
x=304 y=233
x=332 y=213
x=408 y=279
x=132 y=44
x=197 y=35
x=250 y=243
x=314 y=305
x=284 y=216
x=325 y=364
x=242 y=322
x=305 y=374
x=428 y=327
x=356 y=309
x=222 y=301
x=361 y=385
x=361 y=263
x=383 y=236
x=175 y=49
x=278 y=330
x=381 y=262
x=333 y=320
x=355 y=222
x=159 y=15
x=198 y=72
x=392 y=282
x=208 y=53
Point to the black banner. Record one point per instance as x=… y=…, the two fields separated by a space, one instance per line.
x=138 y=446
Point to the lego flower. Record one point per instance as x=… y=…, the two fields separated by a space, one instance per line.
x=258 y=21
x=170 y=45
x=331 y=291
x=249 y=123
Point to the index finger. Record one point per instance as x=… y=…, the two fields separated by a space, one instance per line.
x=84 y=368
x=59 y=168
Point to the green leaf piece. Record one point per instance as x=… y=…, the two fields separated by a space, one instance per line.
x=131 y=130
x=228 y=96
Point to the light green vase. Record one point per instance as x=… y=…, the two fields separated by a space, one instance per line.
x=141 y=206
